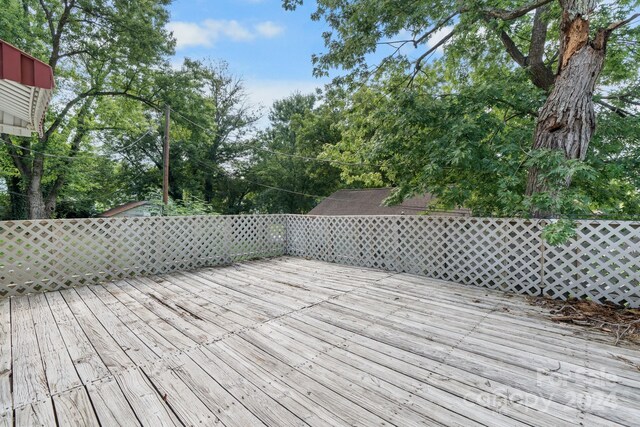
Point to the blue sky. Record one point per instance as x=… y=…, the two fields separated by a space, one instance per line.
x=268 y=47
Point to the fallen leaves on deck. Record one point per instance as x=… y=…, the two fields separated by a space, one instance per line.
x=622 y=323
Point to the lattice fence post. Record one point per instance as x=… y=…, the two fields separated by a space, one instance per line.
x=543 y=284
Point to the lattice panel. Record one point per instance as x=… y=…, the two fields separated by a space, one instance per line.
x=46 y=255
x=602 y=263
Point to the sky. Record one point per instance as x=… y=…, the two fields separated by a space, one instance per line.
x=267 y=46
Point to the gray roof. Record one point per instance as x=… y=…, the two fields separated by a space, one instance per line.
x=369 y=202
x=122 y=208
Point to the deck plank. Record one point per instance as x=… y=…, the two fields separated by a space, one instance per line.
x=86 y=359
x=230 y=410
x=111 y=405
x=73 y=408
x=5 y=357
x=148 y=405
x=29 y=377
x=59 y=369
x=295 y=342
x=114 y=357
x=180 y=397
x=36 y=414
x=254 y=395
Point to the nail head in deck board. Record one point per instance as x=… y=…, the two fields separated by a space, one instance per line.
x=6 y=419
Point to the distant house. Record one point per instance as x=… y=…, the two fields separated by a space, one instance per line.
x=133 y=209
x=369 y=201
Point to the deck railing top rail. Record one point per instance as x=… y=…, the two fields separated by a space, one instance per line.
x=601 y=263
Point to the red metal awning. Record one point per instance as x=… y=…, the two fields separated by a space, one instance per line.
x=26 y=86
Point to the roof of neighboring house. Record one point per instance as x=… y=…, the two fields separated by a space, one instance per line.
x=26 y=87
x=122 y=208
x=370 y=202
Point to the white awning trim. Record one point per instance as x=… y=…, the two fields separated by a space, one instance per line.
x=22 y=108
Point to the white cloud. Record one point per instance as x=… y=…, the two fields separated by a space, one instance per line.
x=263 y=92
x=437 y=38
x=207 y=33
x=269 y=29
x=188 y=34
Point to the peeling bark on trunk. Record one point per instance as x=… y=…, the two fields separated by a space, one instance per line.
x=567 y=120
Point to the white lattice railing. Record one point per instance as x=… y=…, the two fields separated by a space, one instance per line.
x=47 y=255
x=602 y=263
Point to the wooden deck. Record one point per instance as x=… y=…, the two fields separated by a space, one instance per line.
x=288 y=341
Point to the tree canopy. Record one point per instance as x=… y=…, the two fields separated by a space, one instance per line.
x=510 y=108
x=488 y=104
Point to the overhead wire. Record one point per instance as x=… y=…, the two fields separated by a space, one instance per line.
x=280 y=153
x=58 y=156
x=316 y=196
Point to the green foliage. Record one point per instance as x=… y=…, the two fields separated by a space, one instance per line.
x=286 y=167
x=460 y=123
x=559 y=232
x=188 y=206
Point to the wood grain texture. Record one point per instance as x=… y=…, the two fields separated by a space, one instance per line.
x=294 y=342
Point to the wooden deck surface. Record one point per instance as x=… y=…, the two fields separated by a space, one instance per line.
x=292 y=342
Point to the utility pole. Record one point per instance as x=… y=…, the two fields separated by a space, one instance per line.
x=165 y=155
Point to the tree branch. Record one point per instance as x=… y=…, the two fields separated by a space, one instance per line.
x=619 y=111
x=513 y=50
x=624 y=22
x=435 y=28
x=17 y=159
x=418 y=62
x=92 y=93
x=47 y=14
x=541 y=74
x=508 y=15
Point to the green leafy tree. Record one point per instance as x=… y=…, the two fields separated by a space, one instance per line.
x=288 y=170
x=210 y=120
x=497 y=86
x=97 y=49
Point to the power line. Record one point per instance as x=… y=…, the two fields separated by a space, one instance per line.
x=57 y=156
x=316 y=196
x=280 y=153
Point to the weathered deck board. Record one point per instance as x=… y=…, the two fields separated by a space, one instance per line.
x=293 y=342
x=5 y=358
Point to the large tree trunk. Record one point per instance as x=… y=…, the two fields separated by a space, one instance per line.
x=567 y=120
